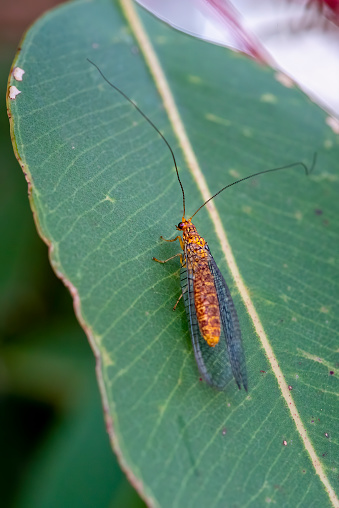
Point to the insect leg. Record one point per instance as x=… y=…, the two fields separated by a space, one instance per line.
x=174 y=240
x=176 y=255
x=165 y=260
x=178 y=300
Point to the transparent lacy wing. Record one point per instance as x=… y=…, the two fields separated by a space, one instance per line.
x=230 y=326
x=218 y=364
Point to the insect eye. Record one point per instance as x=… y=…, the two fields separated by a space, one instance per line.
x=181 y=225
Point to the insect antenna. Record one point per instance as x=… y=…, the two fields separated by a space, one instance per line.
x=307 y=171
x=148 y=120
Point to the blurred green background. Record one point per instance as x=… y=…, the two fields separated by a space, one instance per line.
x=54 y=446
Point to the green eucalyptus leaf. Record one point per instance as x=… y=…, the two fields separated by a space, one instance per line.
x=103 y=190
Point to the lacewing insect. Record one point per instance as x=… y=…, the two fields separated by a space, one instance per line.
x=211 y=314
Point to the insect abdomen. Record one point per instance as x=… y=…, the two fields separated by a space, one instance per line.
x=206 y=304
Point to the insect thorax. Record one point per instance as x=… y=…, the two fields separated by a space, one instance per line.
x=196 y=246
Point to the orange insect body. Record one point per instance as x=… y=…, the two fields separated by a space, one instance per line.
x=212 y=318
x=205 y=294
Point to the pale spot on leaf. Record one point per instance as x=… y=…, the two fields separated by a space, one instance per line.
x=234 y=173
x=247 y=132
x=217 y=119
x=247 y=209
x=284 y=80
x=333 y=123
x=328 y=143
x=268 y=97
x=98 y=339
x=325 y=176
x=107 y=360
x=194 y=79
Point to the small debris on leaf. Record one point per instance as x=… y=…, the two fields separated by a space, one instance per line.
x=18 y=73
x=13 y=92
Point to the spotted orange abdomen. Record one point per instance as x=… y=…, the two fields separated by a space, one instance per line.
x=206 y=304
